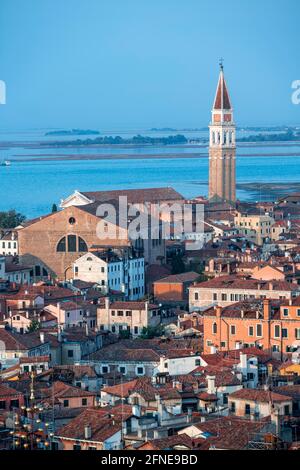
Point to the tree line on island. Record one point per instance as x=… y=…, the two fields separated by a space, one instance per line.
x=118 y=140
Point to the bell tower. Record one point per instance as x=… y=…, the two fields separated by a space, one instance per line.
x=222 y=148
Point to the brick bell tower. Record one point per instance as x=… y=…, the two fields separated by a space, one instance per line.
x=222 y=149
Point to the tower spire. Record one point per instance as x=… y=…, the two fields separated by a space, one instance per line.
x=222 y=100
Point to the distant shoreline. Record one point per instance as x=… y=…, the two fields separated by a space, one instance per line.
x=76 y=157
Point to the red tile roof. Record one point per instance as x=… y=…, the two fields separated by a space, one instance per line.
x=259 y=395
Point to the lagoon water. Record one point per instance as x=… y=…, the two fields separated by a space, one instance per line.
x=31 y=187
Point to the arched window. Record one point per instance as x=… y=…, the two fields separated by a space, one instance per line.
x=214 y=328
x=82 y=246
x=61 y=246
x=71 y=244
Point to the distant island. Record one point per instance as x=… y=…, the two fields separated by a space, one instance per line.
x=72 y=132
x=185 y=129
x=117 y=140
x=288 y=136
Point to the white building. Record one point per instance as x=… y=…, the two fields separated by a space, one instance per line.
x=13 y=272
x=127 y=316
x=112 y=273
x=9 y=243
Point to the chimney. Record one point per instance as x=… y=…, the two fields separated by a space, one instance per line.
x=218 y=311
x=211 y=265
x=271 y=286
x=275 y=419
x=211 y=384
x=87 y=432
x=42 y=336
x=267 y=309
x=243 y=360
x=107 y=303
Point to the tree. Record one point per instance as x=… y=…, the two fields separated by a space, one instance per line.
x=34 y=326
x=151 y=332
x=11 y=219
x=54 y=208
x=177 y=264
x=124 y=334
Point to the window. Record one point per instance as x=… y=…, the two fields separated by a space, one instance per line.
x=232 y=330
x=197 y=362
x=259 y=330
x=84 y=401
x=298 y=312
x=2 y=405
x=76 y=447
x=232 y=407
x=285 y=312
x=297 y=333
x=105 y=369
x=70 y=353
x=277 y=331
x=215 y=296
x=214 y=328
x=66 y=403
x=140 y=370
x=225 y=398
x=82 y=246
x=247 y=409
x=224 y=297
x=223 y=344
x=122 y=370
x=61 y=246
x=286 y=410
x=136 y=330
x=120 y=313
x=113 y=313
x=72 y=221
x=128 y=313
x=284 y=333
x=196 y=296
x=250 y=376
x=72 y=243
x=251 y=331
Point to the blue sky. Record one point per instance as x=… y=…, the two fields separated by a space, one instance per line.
x=110 y=64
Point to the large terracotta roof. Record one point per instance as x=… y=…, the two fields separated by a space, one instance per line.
x=135 y=195
x=259 y=395
x=190 y=276
x=237 y=282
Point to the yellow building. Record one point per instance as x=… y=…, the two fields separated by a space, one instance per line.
x=255 y=227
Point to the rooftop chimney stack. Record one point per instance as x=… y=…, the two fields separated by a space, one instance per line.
x=87 y=432
x=267 y=309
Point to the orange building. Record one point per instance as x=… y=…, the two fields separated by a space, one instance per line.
x=174 y=287
x=269 y=324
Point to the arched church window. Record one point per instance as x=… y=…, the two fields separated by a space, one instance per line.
x=61 y=246
x=82 y=246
